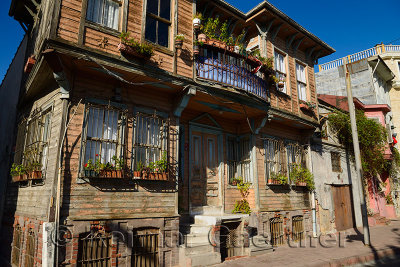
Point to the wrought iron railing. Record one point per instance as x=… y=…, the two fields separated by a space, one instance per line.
x=230 y=70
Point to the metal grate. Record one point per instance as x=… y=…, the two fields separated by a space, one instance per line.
x=238 y=159
x=275 y=161
x=297 y=228
x=276 y=229
x=145 y=248
x=30 y=249
x=17 y=243
x=295 y=155
x=94 y=249
x=229 y=240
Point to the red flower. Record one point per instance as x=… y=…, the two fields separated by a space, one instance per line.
x=85 y=165
x=97 y=155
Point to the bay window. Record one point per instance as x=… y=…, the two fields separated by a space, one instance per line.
x=280 y=68
x=301 y=82
x=158 y=21
x=104 y=12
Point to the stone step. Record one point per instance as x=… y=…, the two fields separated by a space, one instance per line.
x=205 y=220
x=207 y=210
x=198 y=248
x=196 y=238
x=206 y=259
x=196 y=229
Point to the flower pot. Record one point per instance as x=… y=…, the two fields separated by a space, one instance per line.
x=196 y=49
x=281 y=84
x=196 y=23
x=303 y=106
x=301 y=184
x=137 y=174
x=163 y=176
x=90 y=173
x=35 y=175
x=119 y=173
x=202 y=37
x=128 y=50
x=236 y=49
x=178 y=44
x=17 y=178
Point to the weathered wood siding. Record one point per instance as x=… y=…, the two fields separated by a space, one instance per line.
x=34 y=201
x=114 y=198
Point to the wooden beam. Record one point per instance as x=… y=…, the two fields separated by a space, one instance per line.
x=290 y=39
x=191 y=91
x=270 y=24
x=33 y=14
x=275 y=31
x=205 y=9
x=261 y=29
x=297 y=43
x=233 y=27
x=309 y=51
x=315 y=56
x=262 y=124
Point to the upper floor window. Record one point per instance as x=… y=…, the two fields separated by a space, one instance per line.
x=335 y=160
x=301 y=81
x=104 y=12
x=158 y=21
x=280 y=67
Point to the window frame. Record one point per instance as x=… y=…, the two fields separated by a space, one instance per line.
x=335 y=156
x=164 y=143
x=300 y=151
x=280 y=153
x=121 y=4
x=279 y=73
x=304 y=83
x=239 y=159
x=158 y=19
x=17 y=247
x=121 y=130
x=30 y=248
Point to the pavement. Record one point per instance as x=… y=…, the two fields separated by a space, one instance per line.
x=343 y=249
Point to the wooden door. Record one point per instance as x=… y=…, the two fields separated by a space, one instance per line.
x=204 y=173
x=343 y=207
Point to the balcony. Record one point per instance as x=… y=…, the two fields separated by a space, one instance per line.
x=230 y=69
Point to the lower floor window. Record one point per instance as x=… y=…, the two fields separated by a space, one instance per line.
x=145 y=248
x=30 y=249
x=16 y=245
x=238 y=159
x=94 y=249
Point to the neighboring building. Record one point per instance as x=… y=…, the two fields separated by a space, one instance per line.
x=9 y=95
x=378 y=187
x=206 y=118
x=335 y=177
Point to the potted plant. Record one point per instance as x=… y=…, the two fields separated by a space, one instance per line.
x=179 y=41
x=277 y=179
x=301 y=176
x=89 y=169
x=281 y=82
x=242 y=206
x=139 y=170
x=197 y=21
x=18 y=173
x=119 y=171
x=134 y=48
x=34 y=170
x=196 y=47
x=306 y=105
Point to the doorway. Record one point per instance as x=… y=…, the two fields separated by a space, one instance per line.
x=342 y=198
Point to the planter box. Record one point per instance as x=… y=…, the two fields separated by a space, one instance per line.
x=137 y=175
x=19 y=178
x=301 y=184
x=274 y=182
x=155 y=176
x=126 y=49
x=34 y=175
x=90 y=173
x=111 y=174
x=178 y=44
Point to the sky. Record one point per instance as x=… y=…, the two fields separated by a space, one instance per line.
x=348 y=26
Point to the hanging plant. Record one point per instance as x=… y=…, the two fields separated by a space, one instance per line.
x=132 y=47
x=179 y=41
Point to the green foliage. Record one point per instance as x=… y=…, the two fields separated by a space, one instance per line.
x=372 y=137
x=389 y=199
x=242 y=206
x=141 y=48
x=161 y=165
x=215 y=30
x=139 y=166
x=198 y=15
x=279 y=177
x=210 y=28
x=299 y=174
x=118 y=163
x=180 y=37
x=17 y=170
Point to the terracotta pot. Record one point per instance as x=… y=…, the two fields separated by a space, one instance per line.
x=29 y=64
x=303 y=106
x=35 y=175
x=137 y=174
x=301 y=183
x=17 y=178
x=281 y=84
x=196 y=23
x=202 y=38
x=178 y=44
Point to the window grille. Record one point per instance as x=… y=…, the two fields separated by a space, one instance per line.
x=145 y=248
x=335 y=160
x=301 y=82
x=150 y=139
x=94 y=249
x=275 y=162
x=158 y=21
x=103 y=134
x=104 y=12
x=238 y=159
x=30 y=249
x=276 y=229
x=297 y=228
x=16 y=245
x=295 y=155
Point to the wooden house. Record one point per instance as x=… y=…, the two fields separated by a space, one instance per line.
x=132 y=146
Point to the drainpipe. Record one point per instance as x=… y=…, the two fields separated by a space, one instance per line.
x=313 y=206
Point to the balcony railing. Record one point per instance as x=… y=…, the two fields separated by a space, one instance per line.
x=379 y=49
x=230 y=69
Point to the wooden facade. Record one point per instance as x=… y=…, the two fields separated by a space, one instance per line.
x=79 y=66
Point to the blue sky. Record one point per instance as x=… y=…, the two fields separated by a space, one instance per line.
x=348 y=26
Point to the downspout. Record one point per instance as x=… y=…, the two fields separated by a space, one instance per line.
x=313 y=204
x=175 y=34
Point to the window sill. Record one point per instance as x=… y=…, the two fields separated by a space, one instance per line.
x=284 y=94
x=160 y=48
x=102 y=28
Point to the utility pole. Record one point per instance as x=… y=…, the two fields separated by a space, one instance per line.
x=357 y=155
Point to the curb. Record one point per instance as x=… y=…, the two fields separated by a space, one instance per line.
x=359 y=259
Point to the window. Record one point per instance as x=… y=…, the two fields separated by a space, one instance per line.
x=30 y=249
x=150 y=139
x=158 y=21
x=280 y=67
x=301 y=82
x=145 y=248
x=103 y=134
x=16 y=245
x=295 y=155
x=275 y=162
x=335 y=160
x=297 y=228
x=94 y=249
x=104 y=12
x=238 y=158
